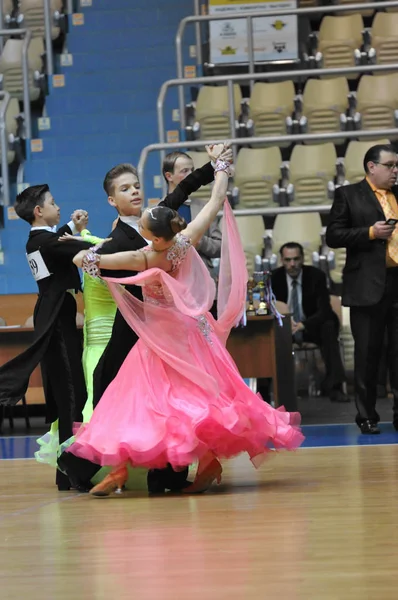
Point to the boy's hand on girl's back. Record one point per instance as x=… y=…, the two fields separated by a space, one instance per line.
x=80 y=219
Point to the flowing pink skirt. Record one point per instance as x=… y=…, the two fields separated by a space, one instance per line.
x=152 y=415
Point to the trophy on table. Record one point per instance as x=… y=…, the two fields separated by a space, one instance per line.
x=251 y=284
x=260 y=277
x=258 y=283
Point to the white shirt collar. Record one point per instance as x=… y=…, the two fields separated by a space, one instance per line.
x=45 y=228
x=71 y=226
x=131 y=220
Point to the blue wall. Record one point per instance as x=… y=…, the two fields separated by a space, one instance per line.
x=104 y=115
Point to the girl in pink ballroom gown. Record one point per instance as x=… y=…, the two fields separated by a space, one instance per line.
x=178 y=397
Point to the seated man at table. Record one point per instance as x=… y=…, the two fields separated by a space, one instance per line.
x=304 y=290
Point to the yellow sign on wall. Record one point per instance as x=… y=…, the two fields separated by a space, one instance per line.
x=11 y=214
x=77 y=19
x=237 y=2
x=173 y=136
x=189 y=71
x=58 y=81
x=274 y=38
x=36 y=145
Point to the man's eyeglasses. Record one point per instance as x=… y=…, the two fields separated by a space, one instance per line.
x=389 y=165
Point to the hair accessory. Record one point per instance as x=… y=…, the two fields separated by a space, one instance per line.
x=150 y=210
x=91 y=261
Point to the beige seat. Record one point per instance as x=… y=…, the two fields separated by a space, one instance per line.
x=256 y=171
x=29 y=322
x=391 y=80
x=8 y=6
x=353 y=161
x=11 y=66
x=338 y=38
x=347 y=339
x=33 y=16
x=312 y=167
x=251 y=231
x=304 y=228
x=270 y=105
x=376 y=103
x=12 y=114
x=385 y=37
x=212 y=111
x=336 y=274
x=324 y=100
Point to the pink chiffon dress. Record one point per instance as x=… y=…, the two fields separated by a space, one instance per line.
x=179 y=394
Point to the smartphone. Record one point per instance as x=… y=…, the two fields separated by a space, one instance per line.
x=391 y=222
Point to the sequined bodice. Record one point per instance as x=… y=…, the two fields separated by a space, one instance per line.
x=154 y=292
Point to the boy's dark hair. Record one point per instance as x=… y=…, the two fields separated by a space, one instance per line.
x=115 y=173
x=291 y=246
x=373 y=154
x=170 y=161
x=27 y=200
x=165 y=222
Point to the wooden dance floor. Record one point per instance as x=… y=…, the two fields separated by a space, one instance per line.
x=321 y=523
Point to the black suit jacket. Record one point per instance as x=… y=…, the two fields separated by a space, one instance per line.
x=14 y=375
x=126 y=238
x=355 y=209
x=315 y=296
x=58 y=257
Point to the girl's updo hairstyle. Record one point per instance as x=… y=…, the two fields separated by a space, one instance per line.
x=165 y=222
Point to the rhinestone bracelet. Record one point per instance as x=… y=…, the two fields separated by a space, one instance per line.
x=223 y=165
x=91 y=261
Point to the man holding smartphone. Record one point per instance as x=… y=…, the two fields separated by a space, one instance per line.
x=363 y=220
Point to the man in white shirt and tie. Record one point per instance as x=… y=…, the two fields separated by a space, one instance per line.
x=305 y=291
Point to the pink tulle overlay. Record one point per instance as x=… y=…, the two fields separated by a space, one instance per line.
x=179 y=394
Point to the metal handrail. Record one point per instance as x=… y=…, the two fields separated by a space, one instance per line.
x=1 y=24
x=27 y=34
x=5 y=100
x=198 y=34
x=259 y=77
x=48 y=37
x=308 y=137
x=249 y=16
x=229 y=79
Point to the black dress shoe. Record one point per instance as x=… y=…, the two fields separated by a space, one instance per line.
x=381 y=391
x=62 y=482
x=160 y=480
x=338 y=396
x=80 y=486
x=369 y=427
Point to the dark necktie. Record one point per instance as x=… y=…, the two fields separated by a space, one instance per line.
x=298 y=336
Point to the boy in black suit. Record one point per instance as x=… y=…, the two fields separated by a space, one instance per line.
x=305 y=291
x=57 y=346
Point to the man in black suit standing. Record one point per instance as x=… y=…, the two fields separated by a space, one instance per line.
x=304 y=290
x=362 y=220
